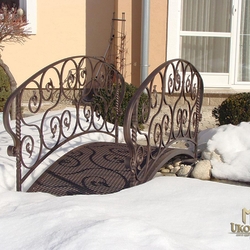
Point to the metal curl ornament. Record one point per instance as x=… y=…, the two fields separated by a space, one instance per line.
x=170 y=84
x=29 y=146
x=86 y=113
x=194 y=92
x=166 y=122
x=139 y=156
x=53 y=128
x=82 y=77
x=49 y=87
x=33 y=103
x=188 y=85
x=177 y=82
x=70 y=79
x=181 y=117
x=66 y=120
x=157 y=133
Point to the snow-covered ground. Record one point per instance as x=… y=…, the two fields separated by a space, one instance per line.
x=165 y=213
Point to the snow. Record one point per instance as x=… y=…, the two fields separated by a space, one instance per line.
x=232 y=145
x=165 y=213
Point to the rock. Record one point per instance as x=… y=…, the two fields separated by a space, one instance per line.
x=184 y=170
x=175 y=169
x=177 y=162
x=170 y=167
x=215 y=156
x=202 y=170
x=207 y=155
x=165 y=171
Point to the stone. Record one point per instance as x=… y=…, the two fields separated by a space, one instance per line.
x=175 y=169
x=170 y=166
x=207 y=155
x=177 y=162
x=184 y=171
x=202 y=170
x=215 y=156
x=165 y=171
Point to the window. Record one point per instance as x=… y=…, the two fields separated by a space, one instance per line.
x=30 y=10
x=244 y=43
x=215 y=36
x=10 y=3
x=205 y=34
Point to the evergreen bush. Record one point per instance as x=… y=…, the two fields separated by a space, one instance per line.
x=4 y=88
x=108 y=100
x=234 y=110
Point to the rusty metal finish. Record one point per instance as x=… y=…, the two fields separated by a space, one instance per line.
x=171 y=113
x=74 y=81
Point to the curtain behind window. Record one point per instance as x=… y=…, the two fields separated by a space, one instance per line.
x=209 y=54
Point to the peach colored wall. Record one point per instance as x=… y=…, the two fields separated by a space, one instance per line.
x=99 y=16
x=60 y=33
x=126 y=7
x=158 y=33
x=83 y=27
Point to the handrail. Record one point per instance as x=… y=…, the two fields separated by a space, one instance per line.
x=172 y=112
x=75 y=81
x=164 y=110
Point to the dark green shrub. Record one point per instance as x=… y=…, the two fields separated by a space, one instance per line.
x=108 y=100
x=235 y=109
x=4 y=88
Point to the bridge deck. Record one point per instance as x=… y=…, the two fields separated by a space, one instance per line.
x=96 y=168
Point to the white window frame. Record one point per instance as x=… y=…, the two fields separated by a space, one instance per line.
x=30 y=10
x=237 y=41
x=173 y=44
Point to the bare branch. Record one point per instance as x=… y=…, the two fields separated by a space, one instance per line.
x=13 y=26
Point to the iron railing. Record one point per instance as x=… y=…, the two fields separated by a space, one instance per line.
x=174 y=93
x=74 y=82
x=166 y=109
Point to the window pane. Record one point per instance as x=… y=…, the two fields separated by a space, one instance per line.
x=206 y=15
x=244 y=55
x=10 y=3
x=208 y=54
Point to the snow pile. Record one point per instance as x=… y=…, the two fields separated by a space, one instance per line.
x=228 y=149
x=165 y=213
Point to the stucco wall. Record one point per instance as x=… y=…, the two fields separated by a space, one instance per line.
x=158 y=33
x=83 y=27
x=60 y=33
x=125 y=6
x=99 y=16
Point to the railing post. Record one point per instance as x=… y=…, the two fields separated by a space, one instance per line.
x=18 y=144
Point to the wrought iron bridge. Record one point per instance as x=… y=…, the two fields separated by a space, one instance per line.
x=165 y=109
